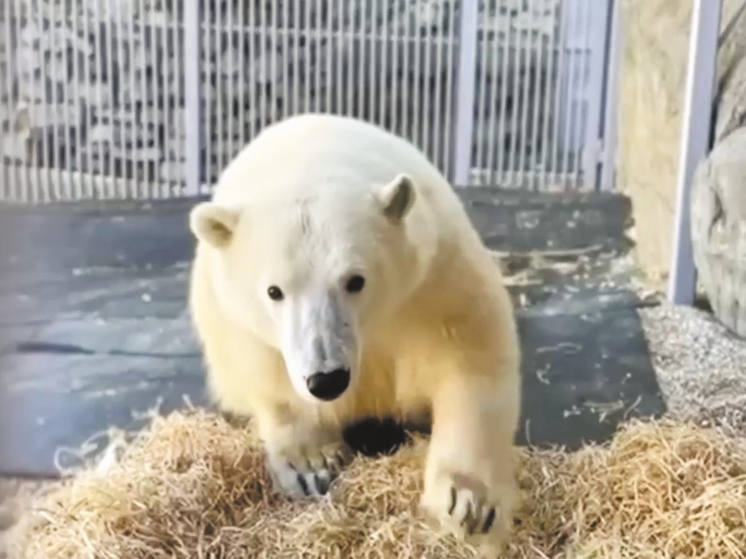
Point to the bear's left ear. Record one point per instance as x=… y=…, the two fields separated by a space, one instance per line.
x=213 y=223
x=397 y=197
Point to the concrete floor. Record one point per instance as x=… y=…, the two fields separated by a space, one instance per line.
x=94 y=330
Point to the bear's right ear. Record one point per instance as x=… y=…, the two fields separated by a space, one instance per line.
x=397 y=197
x=213 y=223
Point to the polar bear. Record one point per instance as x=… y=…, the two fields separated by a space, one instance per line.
x=337 y=276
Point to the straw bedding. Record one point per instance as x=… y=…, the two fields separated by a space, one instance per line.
x=192 y=485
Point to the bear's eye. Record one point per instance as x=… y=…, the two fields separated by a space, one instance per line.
x=355 y=284
x=275 y=293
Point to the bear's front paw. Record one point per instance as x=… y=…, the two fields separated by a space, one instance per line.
x=307 y=471
x=469 y=508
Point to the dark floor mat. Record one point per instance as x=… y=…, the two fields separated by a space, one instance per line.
x=94 y=332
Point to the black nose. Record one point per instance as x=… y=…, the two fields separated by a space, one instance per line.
x=327 y=386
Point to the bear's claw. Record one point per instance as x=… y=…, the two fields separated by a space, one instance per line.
x=477 y=514
x=306 y=473
x=466 y=506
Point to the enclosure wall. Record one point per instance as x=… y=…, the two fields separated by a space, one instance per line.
x=95 y=96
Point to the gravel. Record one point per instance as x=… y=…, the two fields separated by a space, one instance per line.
x=700 y=366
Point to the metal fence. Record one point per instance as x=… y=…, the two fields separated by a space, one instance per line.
x=152 y=98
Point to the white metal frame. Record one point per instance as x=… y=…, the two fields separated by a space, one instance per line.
x=467 y=67
x=695 y=141
x=609 y=152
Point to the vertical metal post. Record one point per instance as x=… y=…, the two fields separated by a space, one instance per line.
x=599 y=29
x=611 y=110
x=695 y=144
x=193 y=113
x=465 y=84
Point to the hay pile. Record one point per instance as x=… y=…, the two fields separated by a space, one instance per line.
x=194 y=486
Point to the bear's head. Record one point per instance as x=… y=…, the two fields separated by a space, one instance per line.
x=316 y=275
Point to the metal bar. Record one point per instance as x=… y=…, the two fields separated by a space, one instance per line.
x=361 y=74
x=448 y=105
x=131 y=101
x=273 y=79
x=373 y=86
x=601 y=26
x=696 y=138
x=531 y=69
x=72 y=132
x=210 y=93
x=117 y=93
x=10 y=170
x=340 y=57
x=64 y=125
x=385 y=89
x=555 y=155
x=297 y=59
x=113 y=152
x=43 y=188
x=255 y=69
x=99 y=63
x=329 y=57
x=440 y=43
x=220 y=88
x=179 y=96
x=286 y=59
x=317 y=35
x=568 y=104
x=144 y=189
x=165 y=95
x=417 y=75
x=586 y=90
x=350 y=64
x=498 y=84
x=534 y=159
x=467 y=62
x=396 y=83
x=405 y=96
x=611 y=109
x=192 y=112
x=512 y=163
x=500 y=167
x=481 y=98
x=307 y=65
x=549 y=84
x=229 y=27
x=25 y=191
x=427 y=41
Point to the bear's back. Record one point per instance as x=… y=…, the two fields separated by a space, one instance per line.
x=314 y=151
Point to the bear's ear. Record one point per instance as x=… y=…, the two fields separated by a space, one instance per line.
x=397 y=197
x=213 y=223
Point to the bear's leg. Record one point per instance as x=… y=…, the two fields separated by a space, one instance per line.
x=470 y=484
x=304 y=455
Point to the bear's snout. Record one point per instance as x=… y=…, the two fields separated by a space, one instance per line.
x=330 y=385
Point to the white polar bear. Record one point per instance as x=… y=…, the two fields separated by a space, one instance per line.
x=338 y=276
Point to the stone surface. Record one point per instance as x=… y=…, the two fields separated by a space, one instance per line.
x=718 y=218
x=94 y=330
x=653 y=82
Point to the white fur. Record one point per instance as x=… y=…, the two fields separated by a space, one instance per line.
x=311 y=202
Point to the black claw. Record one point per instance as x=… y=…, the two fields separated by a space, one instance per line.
x=303 y=484
x=321 y=484
x=488 y=521
x=453 y=501
x=470 y=519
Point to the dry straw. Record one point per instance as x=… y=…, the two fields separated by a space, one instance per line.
x=194 y=486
